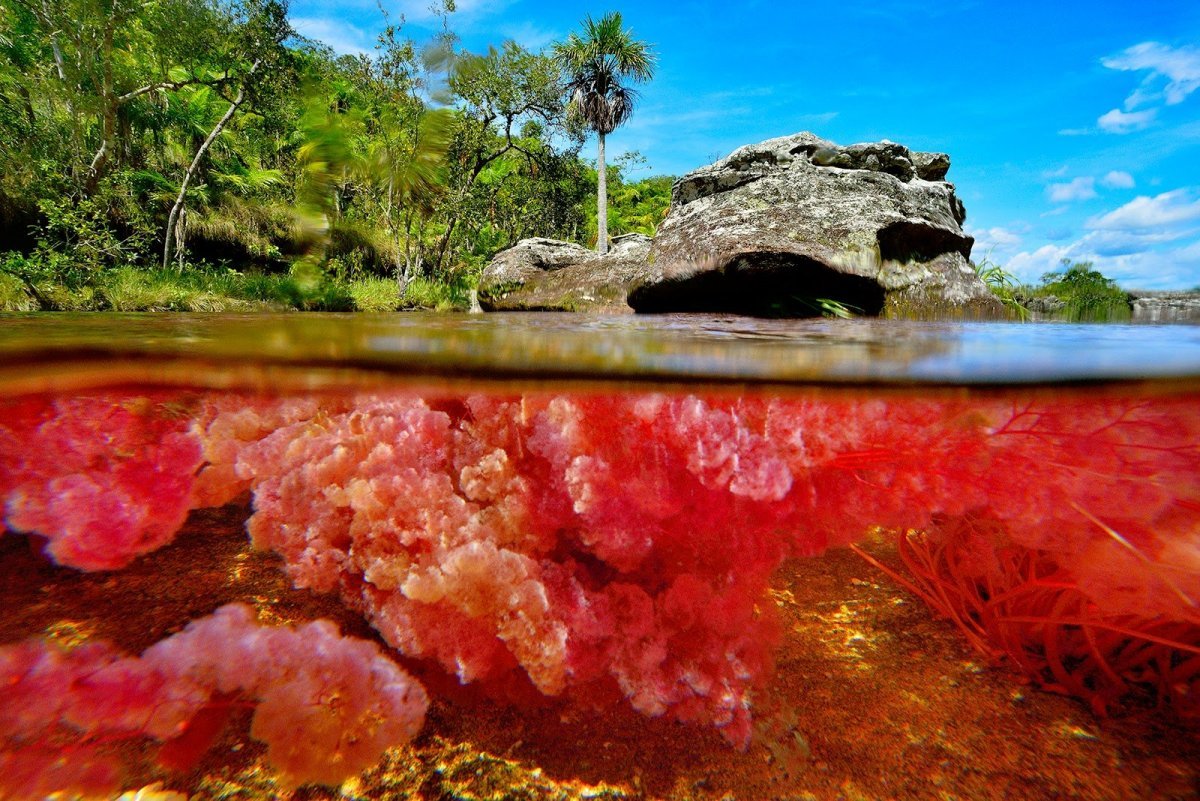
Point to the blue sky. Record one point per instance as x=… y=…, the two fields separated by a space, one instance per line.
x=1073 y=127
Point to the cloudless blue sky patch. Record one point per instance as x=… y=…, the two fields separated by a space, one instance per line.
x=1073 y=127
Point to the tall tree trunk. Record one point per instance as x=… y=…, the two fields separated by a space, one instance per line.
x=108 y=122
x=601 y=201
x=173 y=217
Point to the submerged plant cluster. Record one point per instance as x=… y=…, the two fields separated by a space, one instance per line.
x=597 y=547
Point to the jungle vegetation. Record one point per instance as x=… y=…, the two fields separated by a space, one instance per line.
x=200 y=154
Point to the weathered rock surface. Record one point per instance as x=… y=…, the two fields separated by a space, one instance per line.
x=777 y=227
x=546 y=274
x=1165 y=307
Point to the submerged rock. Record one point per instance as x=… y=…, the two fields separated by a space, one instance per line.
x=549 y=275
x=783 y=227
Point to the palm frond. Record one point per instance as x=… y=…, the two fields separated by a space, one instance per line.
x=599 y=66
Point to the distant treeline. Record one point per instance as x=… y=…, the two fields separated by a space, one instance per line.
x=170 y=153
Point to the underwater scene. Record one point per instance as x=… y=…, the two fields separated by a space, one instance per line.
x=676 y=557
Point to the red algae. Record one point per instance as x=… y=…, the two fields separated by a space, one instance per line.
x=61 y=708
x=602 y=546
x=103 y=479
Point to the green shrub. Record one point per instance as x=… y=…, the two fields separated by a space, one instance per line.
x=15 y=296
x=1088 y=294
x=259 y=233
x=359 y=249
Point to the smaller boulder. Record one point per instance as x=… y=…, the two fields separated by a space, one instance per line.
x=549 y=275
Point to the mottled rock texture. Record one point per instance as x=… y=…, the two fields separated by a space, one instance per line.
x=778 y=227
x=545 y=274
x=1165 y=307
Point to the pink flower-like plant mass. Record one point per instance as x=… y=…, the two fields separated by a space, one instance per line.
x=327 y=706
x=599 y=546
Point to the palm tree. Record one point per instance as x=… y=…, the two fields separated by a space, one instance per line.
x=598 y=65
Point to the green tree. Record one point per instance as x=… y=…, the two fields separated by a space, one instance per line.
x=260 y=29
x=599 y=65
x=499 y=96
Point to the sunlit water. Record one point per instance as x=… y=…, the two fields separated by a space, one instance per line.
x=678 y=557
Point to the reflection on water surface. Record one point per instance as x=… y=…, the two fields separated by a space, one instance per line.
x=665 y=347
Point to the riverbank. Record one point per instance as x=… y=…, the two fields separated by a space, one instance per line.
x=129 y=289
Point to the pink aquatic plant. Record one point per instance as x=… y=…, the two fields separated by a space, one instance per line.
x=327 y=706
x=624 y=540
x=104 y=479
x=607 y=545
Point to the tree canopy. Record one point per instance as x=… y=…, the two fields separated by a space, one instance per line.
x=206 y=135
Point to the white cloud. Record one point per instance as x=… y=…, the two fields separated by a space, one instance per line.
x=1123 y=243
x=1175 y=70
x=1002 y=236
x=340 y=36
x=1147 y=243
x=995 y=243
x=1076 y=189
x=1150 y=213
x=819 y=118
x=1118 y=179
x=1144 y=269
x=1029 y=267
x=1152 y=269
x=1123 y=122
x=1060 y=172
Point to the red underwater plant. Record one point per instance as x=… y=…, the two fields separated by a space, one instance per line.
x=104 y=479
x=327 y=706
x=598 y=544
x=1028 y=607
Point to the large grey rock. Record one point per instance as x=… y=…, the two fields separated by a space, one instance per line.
x=778 y=227
x=548 y=275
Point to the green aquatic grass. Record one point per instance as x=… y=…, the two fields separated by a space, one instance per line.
x=1004 y=285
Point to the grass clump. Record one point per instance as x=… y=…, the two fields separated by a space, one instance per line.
x=14 y=296
x=375 y=294
x=425 y=293
x=1003 y=285
x=32 y=283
